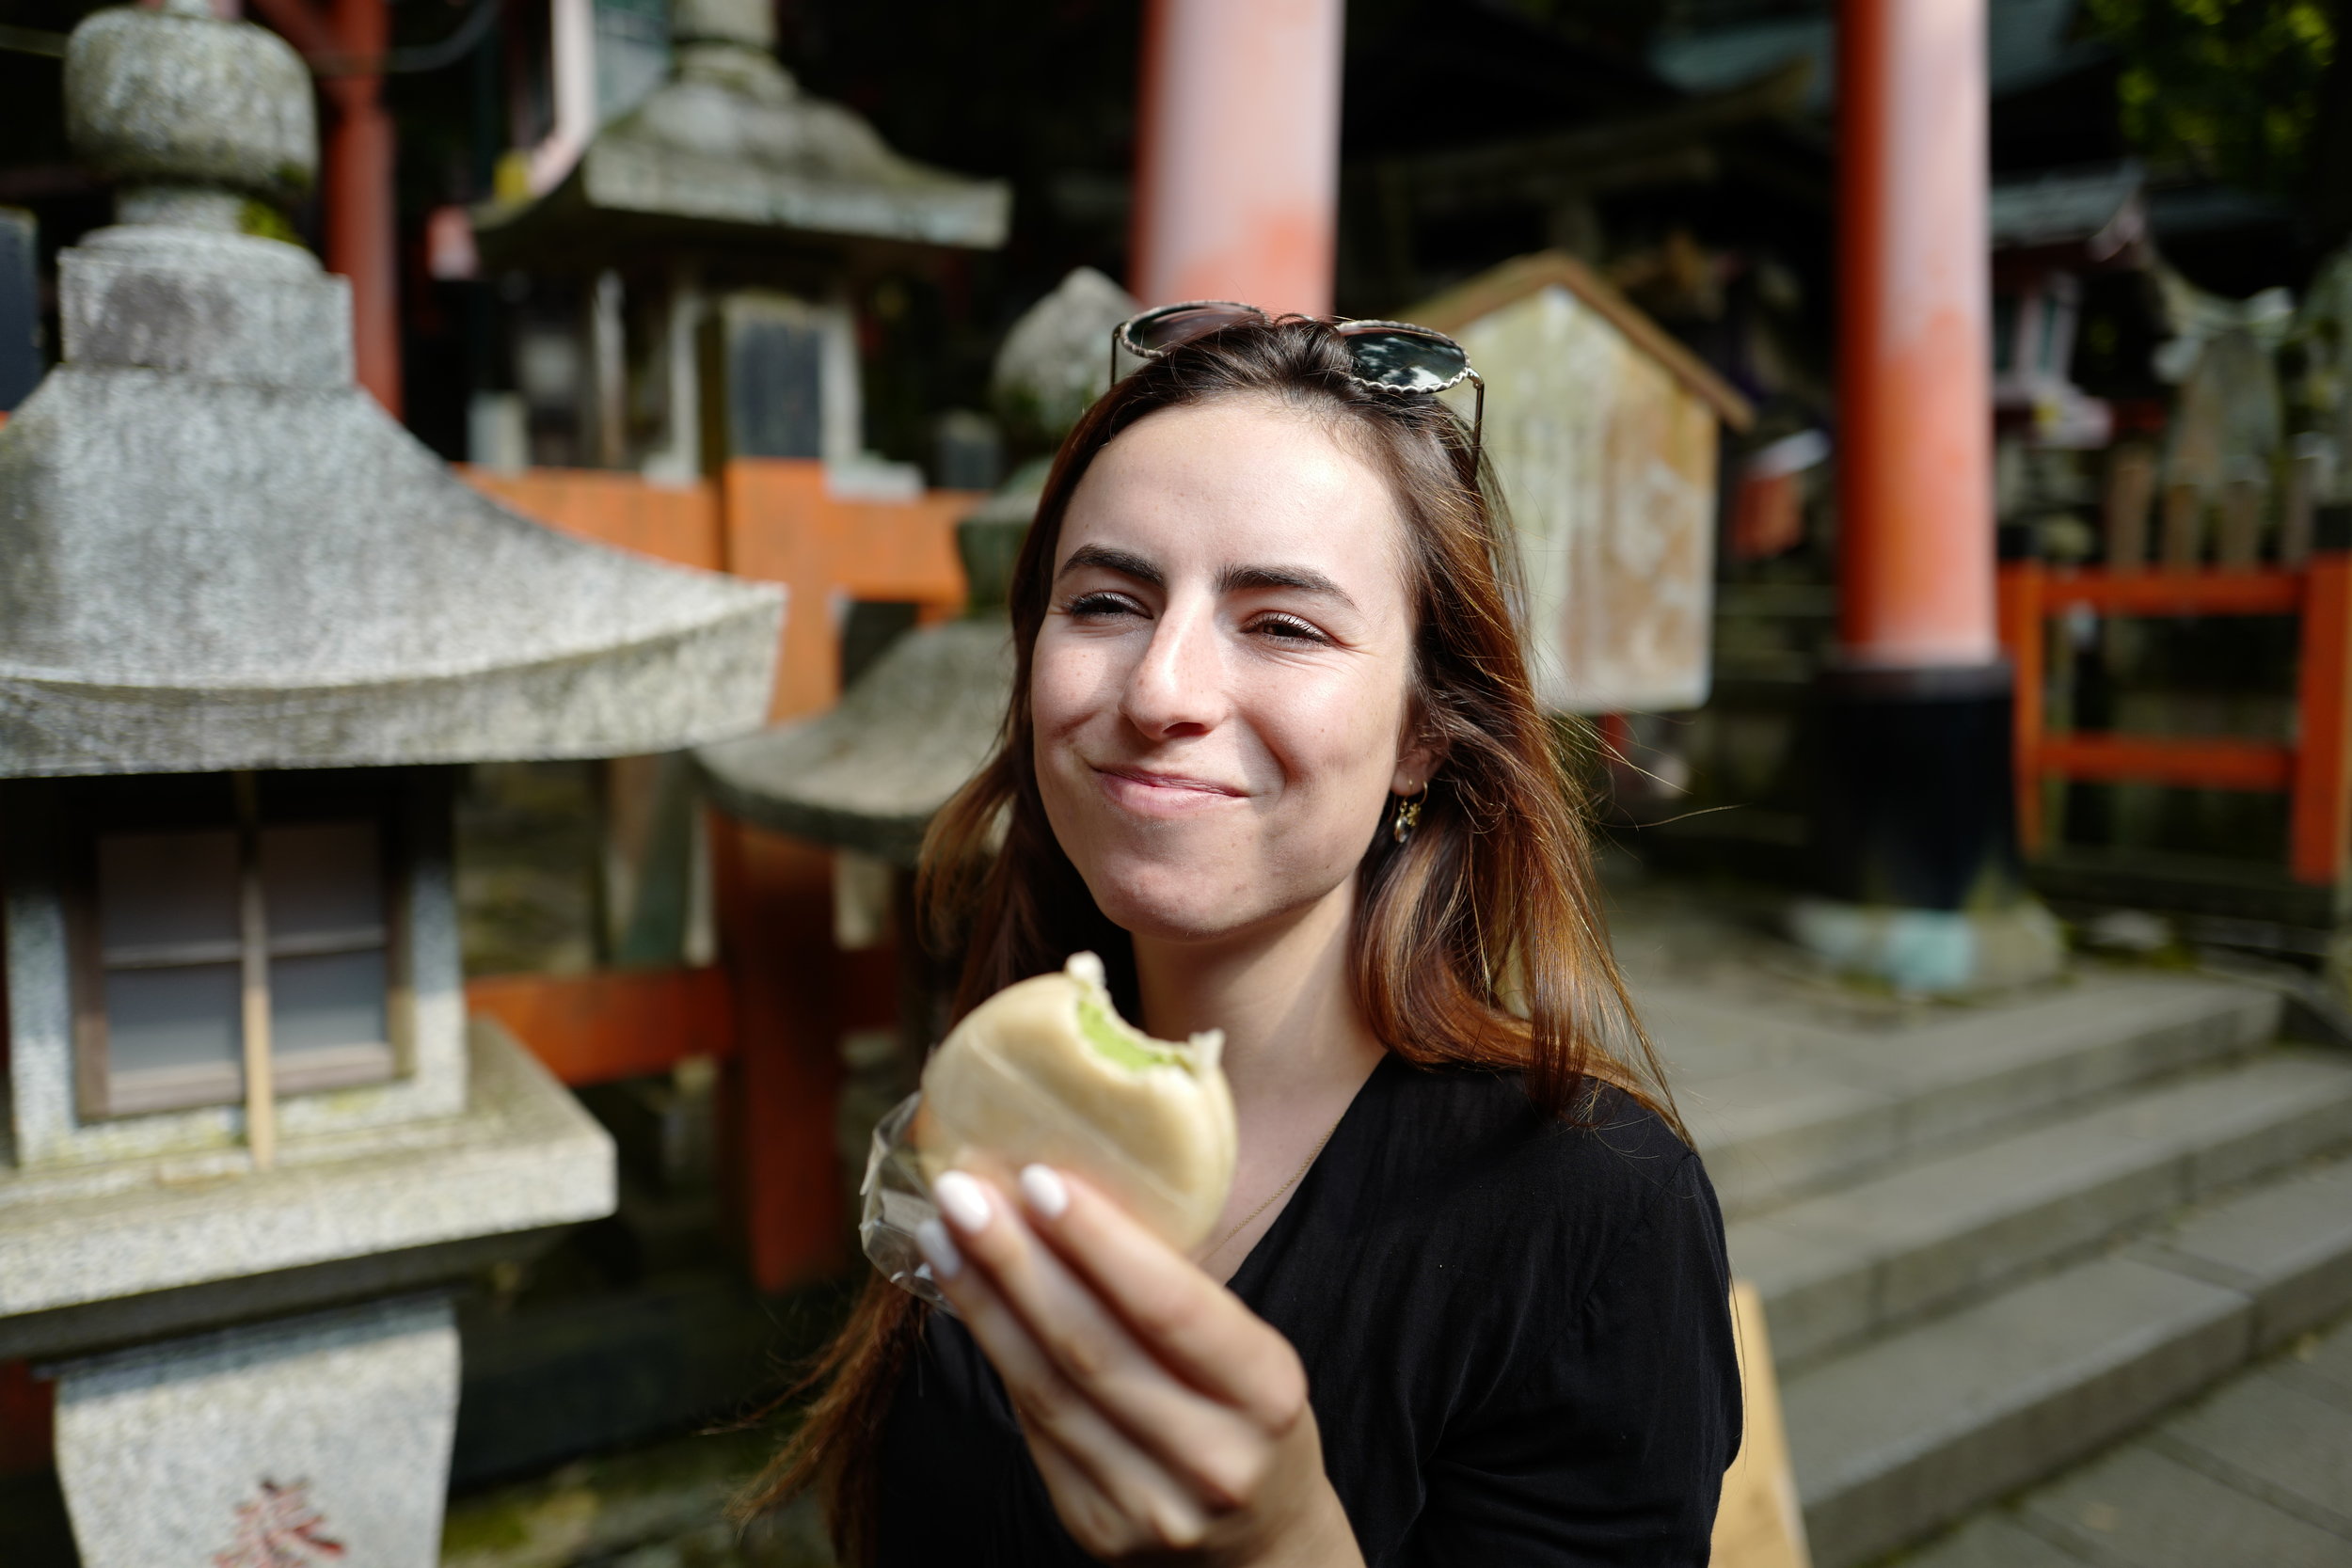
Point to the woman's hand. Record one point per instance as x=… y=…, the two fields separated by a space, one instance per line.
x=1168 y=1419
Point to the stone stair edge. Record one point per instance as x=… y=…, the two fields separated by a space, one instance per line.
x=1824 y=1127
x=2194 y=1324
x=1921 y=1235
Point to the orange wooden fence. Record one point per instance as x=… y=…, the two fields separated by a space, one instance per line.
x=774 y=520
x=775 y=1012
x=2315 y=770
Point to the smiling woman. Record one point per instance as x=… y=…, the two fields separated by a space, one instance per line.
x=1272 y=753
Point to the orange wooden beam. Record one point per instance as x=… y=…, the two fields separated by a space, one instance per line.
x=677 y=523
x=2323 y=703
x=784 y=525
x=2023 y=629
x=2201 y=593
x=609 y=1024
x=2185 y=762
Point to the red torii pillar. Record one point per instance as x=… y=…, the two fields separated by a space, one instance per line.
x=1914 y=841
x=345 y=41
x=1237 y=163
x=1913 y=355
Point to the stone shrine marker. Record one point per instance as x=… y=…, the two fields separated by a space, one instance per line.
x=1603 y=430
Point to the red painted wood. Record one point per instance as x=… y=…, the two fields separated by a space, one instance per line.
x=613 y=1023
x=2186 y=762
x=2022 y=637
x=28 y=1421
x=2322 y=774
x=796 y=995
x=2200 y=592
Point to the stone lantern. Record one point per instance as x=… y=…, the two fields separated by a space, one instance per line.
x=247 y=626
x=742 y=207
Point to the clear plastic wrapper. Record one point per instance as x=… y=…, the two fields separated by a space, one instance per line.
x=894 y=1198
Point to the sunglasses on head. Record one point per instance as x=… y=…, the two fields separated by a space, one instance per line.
x=1388 y=357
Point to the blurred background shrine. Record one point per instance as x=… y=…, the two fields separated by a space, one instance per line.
x=806 y=291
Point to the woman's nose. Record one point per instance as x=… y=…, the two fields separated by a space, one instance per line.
x=1177 y=687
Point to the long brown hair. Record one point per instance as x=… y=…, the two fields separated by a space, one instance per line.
x=1478 y=940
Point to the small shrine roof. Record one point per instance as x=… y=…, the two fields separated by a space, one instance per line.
x=1516 y=279
x=2102 y=211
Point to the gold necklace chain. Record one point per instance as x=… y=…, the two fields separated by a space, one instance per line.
x=1304 y=1167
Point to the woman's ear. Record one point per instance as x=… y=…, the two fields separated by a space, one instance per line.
x=1416 y=761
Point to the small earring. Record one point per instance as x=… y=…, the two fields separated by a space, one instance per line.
x=1407 y=816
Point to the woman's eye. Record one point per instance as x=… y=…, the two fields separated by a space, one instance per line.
x=1099 y=605
x=1286 y=628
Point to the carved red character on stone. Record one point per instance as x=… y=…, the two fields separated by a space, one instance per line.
x=279 y=1528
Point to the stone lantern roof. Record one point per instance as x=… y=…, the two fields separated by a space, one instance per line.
x=730 y=152
x=218 y=552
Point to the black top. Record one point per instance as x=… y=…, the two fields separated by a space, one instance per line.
x=1516 y=1332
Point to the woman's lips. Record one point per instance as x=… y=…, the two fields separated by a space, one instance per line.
x=1161 y=794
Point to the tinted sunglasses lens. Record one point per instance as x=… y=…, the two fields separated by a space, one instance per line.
x=1161 y=330
x=1407 y=362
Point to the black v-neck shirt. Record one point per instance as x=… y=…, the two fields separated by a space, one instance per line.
x=1515 y=1333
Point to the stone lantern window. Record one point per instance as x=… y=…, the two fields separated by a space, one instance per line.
x=191 y=896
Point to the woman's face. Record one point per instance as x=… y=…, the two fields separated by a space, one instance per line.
x=1221 y=687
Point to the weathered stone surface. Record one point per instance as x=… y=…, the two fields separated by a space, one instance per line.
x=206 y=576
x=1893 y=1247
x=305 y=1439
x=216 y=552
x=1993 y=1541
x=2288 y=1246
x=213 y=306
x=178 y=99
x=2150 y=1511
x=2271 y=1439
x=1785 y=1097
x=2244 y=1474
x=523 y=1156
x=1914 y=1429
x=869 y=774
x=731 y=141
x=1057 y=359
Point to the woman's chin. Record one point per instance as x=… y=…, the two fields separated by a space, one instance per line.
x=1169 y=905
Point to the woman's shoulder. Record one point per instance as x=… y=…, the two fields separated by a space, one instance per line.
x=1610 y=1144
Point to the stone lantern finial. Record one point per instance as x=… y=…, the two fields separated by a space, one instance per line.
x=195 y=119
x=752 y=23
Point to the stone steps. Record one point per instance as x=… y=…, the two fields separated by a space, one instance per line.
x=1897 y=1436
x=1783 y=1106
x=1992 y=1238
x=1841 y=1266
x=2257 y=1471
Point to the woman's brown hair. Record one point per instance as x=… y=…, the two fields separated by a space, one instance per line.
x=1479 y=941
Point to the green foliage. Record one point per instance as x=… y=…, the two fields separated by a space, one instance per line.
x=2231 y=89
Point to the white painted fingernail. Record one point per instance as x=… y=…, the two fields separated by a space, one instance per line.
x=962 y=1200
x=1045 y=1190
x=939 y=1249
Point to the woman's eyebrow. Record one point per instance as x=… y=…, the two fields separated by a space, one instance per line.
x=1125 y=562
x=1304 y=579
